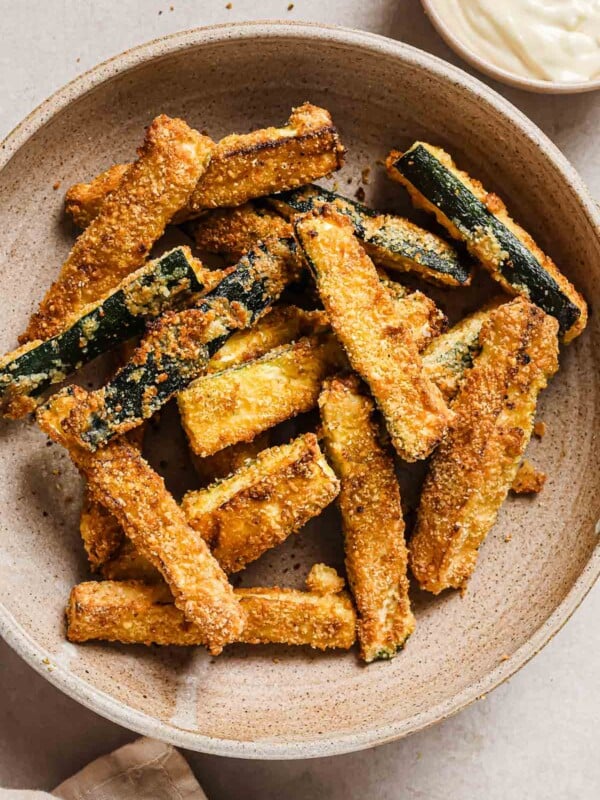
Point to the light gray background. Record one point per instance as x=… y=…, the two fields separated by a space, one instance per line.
x=537 y=736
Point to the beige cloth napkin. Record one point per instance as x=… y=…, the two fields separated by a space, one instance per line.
x=143 y=770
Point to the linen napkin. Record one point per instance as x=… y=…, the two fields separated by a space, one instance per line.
x=143 y=770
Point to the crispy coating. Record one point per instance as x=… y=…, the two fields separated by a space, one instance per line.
x=242 y=167
x=128 y=564
x=135 y=613
x=391 y=241
x=126 y=485
x=230 y=459
x=260 y=505
x=451 y=354
x=237 y=404
x=83 y=201
x=369 y=500
x=473 y=469
x=484 y=246
x=176 y=348
x=528 y=479
x=235 y=230
x=159 y=183
x=379 y=345
x=100 y=531
x=282 y=325
x=251 y=511
x=231 y=232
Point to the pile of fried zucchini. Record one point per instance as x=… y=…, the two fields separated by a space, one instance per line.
x=306 y=316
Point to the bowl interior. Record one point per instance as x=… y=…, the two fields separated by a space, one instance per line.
x=273 y=701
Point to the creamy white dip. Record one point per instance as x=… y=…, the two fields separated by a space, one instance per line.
x=551 y=40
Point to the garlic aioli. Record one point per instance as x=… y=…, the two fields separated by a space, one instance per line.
x=548 y=40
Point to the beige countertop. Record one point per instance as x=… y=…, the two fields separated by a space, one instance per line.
x=536 y=736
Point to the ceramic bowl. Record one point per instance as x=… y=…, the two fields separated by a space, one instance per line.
x=540 y=559
x=453 y=40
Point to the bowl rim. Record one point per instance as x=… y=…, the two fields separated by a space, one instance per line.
x=457 y=44
x=103 y=703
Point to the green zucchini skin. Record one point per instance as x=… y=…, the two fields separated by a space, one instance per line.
x=391 y=241
x=518 y=266
x=116 y=318
x=177 y=347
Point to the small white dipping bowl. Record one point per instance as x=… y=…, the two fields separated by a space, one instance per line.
x=439 y=22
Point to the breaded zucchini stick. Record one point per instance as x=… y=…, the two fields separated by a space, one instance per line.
x=447 y=358
x=369 y=500
x=230 y=459
x=125 y=484
x=391 y=241
x=231 y=232
x=154 y=187
x=221 y=409
x=262 y=503
x=473 y=469
x=254 y=509
x=481 y=220
x=134 y=613
x=379 y=345
x=178 y=346
x=243 y=166
x=237 y=404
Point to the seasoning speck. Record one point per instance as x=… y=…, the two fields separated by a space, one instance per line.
x=360 y=194
x=229 y=6
x=290 y=6
x=56 y=185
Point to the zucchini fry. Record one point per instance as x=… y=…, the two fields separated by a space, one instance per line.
x=178 y=346
x=125 y=484
x=480 y=219
x=379 y=345
x=118 y=242
x=220 y=465
x=101 y=534
x=231 y=232
x=134 y=613
x=239 y=403
x=451 y=354
x=243 y=166
x=123 y=313
x=221 y=409
x=391 y=241
x=263 y=503
x=252 y=510
x=238 y=229
x=369 y=500
x=282 y=325
x=473 y=469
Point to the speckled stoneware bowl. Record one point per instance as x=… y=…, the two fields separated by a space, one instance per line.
x=540 y=559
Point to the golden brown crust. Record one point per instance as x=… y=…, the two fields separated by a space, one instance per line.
x=379 y=345
x=102 y=535
x=84 y=200
x=237 y=404
x=473 y=469
x=134 y=613
x=231 y=232
x=369 y=500
x=528 y=479
x=243 y=166
x=448 y=356
x=133 y=217
x=485 y=248
x=125 y=484
x=263 y=503
x=230 y=459
x=281 y=326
